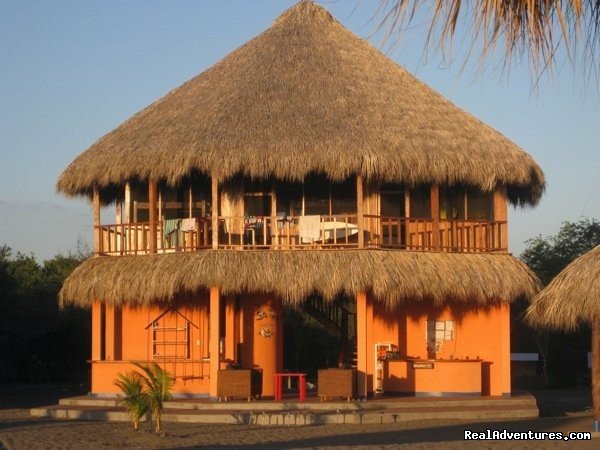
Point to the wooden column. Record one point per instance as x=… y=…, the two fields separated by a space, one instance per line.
x=501 y=215
x=361 y=344
x=274 y=229
x=127 y=205
x=596 y=374
x=359 y=211
x=214 y=338
x=152 y=215
x=435 y=215
x=215 y=212
x=97 y=231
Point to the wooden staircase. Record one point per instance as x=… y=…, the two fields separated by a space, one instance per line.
x=338 y=317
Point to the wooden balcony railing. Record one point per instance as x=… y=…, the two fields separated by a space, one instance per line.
x=301 y=232
x=453 y=235
x=288 y=232
x=134 y=238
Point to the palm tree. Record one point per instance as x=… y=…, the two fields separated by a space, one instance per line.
x=134 y=400
x=534 y=27
x=157 y=384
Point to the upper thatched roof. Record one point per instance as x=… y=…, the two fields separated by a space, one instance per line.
x=306 y=95
x=391 y=276
x=572 y=297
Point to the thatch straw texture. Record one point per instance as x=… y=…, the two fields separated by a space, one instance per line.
x=306 y=95
x=572 y=297
x=391 y=277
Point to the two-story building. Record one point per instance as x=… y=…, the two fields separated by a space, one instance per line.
x=308 y=169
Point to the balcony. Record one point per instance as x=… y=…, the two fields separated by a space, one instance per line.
x=302 y=232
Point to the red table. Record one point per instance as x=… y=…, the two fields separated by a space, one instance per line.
x=301 y=384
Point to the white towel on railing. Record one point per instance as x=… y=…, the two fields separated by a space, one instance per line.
x=309 y=228
x=188 y=224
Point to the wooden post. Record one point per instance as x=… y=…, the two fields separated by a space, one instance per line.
x=501 y=215
x=214 y=339
x=361 y=344
x=97 y=231
x=596 y=374
x=127 y=215
x=435 y=215
x=215 y=212
x=359 y=211
x=274 y=228
x=152 y=214
x=119 y=230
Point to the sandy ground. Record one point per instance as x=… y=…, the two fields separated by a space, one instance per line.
x=564 y=411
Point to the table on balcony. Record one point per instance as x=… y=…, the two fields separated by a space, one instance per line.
x=339 y=231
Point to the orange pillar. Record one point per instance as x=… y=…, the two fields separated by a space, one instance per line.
x=361 y=343
x=111 y=331
x=214 y=337
x=267 y=332
x=96 y=331
x=505 y=323
x=230 y=329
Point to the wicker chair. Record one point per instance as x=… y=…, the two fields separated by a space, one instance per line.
x=337 y=383
x=239 y=383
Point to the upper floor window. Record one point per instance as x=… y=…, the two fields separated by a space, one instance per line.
x=258 y=198
x=317 y=195
x=465 y=203
x=393 y=200
x=420 y=202
x=191 y=198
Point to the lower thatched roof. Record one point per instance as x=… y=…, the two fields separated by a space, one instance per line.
x=391 y=276
x=572 y=297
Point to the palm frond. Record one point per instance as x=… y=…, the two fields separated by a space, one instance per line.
x=134 y=398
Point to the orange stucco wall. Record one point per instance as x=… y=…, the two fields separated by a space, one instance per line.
x=122 y=336
x=249 y=331
x=128 y=337
x=476 y=360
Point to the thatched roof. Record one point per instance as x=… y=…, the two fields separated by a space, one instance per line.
x=306 y=95
x=391 y=276
x=572 y=297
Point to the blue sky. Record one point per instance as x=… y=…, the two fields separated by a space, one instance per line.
x=71 y=71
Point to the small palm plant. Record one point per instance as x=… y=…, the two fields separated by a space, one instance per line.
x=157 y=384
x=135 y=399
